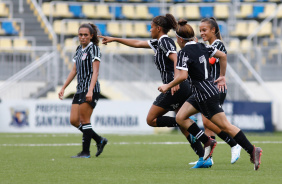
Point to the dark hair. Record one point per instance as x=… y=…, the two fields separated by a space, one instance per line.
x=213 y=24
x=93 y=31
x=184 y=30
x=167 y=22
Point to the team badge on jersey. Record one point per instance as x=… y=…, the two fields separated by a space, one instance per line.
x=84 y=56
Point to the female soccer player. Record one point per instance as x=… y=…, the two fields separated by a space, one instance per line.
x=193 y=57
x=86 y=67
x=165 y=59
x=210 y=32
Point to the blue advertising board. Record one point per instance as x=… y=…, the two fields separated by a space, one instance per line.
x=249 y=116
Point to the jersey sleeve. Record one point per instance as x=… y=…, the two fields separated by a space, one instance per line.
x=167 y=45
x=220 y=46
x=211 y=49
x=153 y=44
x=182 y=61
x=95 y=53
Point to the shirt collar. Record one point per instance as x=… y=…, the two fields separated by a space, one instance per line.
x=215 y=41
x=162 y=37
x=83 y=49
x=190 y=43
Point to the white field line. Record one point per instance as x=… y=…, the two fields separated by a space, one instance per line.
x=126 y=143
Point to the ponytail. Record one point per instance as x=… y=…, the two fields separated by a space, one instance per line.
x=185 y=31
x=167 y=22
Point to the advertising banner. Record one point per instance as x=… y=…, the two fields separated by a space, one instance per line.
x=53 y=116
x=115 y=117
x=248 y=116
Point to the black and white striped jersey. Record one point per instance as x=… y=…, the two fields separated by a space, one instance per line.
x=162 y=48
x=194 y=58
x=84 y=58
x=215 y=68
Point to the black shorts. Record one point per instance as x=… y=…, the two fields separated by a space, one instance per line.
x=172 y=102
x=80 y=98
x=209 y=107
x=222 y=96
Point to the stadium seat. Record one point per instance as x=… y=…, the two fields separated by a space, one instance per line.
x=240 y=29
x=221 y=11
x=76 y=11
x=266 y=30
x=155 y=11
x=102 y=28
x=2 y=32
x=127 y=29
x=59 y=27
x=233 y=46
x=245 y=45
x=103 y=11
x=4 y=10
x=142 y=12
x=177 y=11
x=89 y=10
x=252 y=26
x=8 y=27
x=5 y=43
x=245 y=11
x=128 y=11
x=195 y=28
x=268 y=10
x=20 y=43
x=114 y=29
x=206 y=11
x=279 y=14
x=117 y=11
x=194 y=1
x=256 y=11
x=46 y=8
x=140 y=30
x=72 y=28
x=192 y=12
x=70 y=44
x=62 y=10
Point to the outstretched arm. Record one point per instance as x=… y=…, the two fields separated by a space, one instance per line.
x=128 y=42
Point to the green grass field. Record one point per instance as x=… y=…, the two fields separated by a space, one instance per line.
x=133 y=159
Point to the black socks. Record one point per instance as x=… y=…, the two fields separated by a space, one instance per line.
x=241 y=139
x=227 y=138
x=87 y=135
x=196 y=145
x=95 y=136
x=198 y=133
x=166 y=121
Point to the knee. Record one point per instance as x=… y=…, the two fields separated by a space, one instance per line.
x=179 y=119
x=152 y=123
x=74 y=122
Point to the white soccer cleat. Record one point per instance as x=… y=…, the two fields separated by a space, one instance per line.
x=235 y=153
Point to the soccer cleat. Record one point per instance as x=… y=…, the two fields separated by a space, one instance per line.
x=201 y=163
x=209 y=147
x=255 y=157
x=82 y=155
x=101 y=146
x=235 y=153
x=193 y=163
